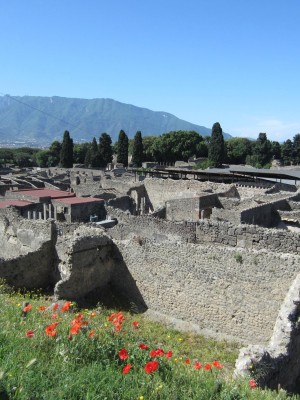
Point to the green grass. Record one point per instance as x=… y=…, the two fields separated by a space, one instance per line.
x=46 y=368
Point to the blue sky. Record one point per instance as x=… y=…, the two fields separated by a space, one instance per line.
x=232 y=61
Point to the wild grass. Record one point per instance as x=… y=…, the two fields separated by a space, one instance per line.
x=50 y=351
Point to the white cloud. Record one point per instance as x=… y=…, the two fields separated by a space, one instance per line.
x=275 y=129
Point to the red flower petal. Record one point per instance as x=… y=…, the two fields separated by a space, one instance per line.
x=217 y=364
x=123 y=354
x=197 y=365
x=143 y=346
x=151 y=366
x=126 y=369
x=252 y=384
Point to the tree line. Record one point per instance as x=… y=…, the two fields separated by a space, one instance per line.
x=164 y=149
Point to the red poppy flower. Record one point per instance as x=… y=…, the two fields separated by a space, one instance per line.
x=42 y=308
x=187 y=361
x=123 y=354
x=50 y=329
x=169 y=354
x=217 y=364
x=135 y=324
x=27 y=308
x=70 y=337
x=77 y=320
x=116 y=318
x=54 y=316
x=207 y=367
x=197 y=365
x=151 y=366
x=55 y=307
x=75 y=329
x=92 y=333
x=157 y=353
x=118 y=327
x=66 y=306
x=143 y=346
x=30 y=334
x=126 y=369
x=252 y=384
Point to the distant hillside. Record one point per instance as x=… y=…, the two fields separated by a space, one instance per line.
x=21 y=119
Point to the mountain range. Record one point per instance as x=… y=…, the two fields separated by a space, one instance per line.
x=30 y=120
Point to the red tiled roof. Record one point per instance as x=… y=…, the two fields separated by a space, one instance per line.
x=53 y=193
x=13 y=202
x=78 y=200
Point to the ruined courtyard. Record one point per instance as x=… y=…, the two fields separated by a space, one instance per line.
x=221 y=259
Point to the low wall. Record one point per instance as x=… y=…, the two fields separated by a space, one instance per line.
x=248 y=236
x=150 y=228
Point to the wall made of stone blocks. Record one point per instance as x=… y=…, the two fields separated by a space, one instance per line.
x=223 y=292
x=183 y=209
x=162 y=190
x=150 y=228
x=248 y=236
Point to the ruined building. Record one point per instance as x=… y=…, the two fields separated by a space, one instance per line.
x=219 y=259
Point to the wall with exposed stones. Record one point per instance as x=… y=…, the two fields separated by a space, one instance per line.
x=27 y=251
x=232 y=292
x=248 y=236
x=162 y=190
x=218 y=291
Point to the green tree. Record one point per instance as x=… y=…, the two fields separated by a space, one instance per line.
x=42 y=158
x=148 y=142
x=122 y=148
x=25 y=156
x=55 y=150
x=6 y=155
x=216 y=151
x=276 y=150
x=94 y=154
x=88 y=157
x=79 y=152
x=296 y=149
x=177 y=145
x=138 y=150
x=66 y=153
x=105 y=149
x=263 y=150
x=237 y=150
x=287 y=152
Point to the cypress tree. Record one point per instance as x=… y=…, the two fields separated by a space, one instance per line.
x=122 y=148
x=105 y=149
x=95 y=155
x=138 y=149
x=216 y=146
x=263 y=150
x=66 y=153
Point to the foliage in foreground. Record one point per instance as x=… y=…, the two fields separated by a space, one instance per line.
x=53 y=351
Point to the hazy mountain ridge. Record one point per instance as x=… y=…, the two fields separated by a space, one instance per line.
x=21 y=120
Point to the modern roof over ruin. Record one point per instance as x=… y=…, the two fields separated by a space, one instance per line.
x=52 y=193
x=15 y=203
x=78 y=200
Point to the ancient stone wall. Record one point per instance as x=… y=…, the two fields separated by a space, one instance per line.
x=219 y=291
x=150 y=228
x=27 y=251
x=248 y=236
x=162 y=190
